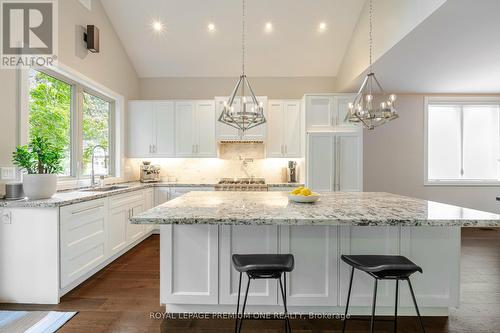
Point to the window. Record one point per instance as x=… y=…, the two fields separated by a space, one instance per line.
x=50 y=112
x=463 y=142
x=75 y=118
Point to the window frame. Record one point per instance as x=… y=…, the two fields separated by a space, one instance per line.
x=458 y=100
x=79 y=84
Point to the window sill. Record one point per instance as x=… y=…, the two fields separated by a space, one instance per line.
x=462 y=183
x=69 y=183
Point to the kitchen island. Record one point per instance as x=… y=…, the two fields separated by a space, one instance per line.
x=201 y=230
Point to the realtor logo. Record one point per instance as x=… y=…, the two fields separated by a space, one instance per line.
x=29 y=33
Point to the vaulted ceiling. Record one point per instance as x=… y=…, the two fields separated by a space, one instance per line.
x=186 y=48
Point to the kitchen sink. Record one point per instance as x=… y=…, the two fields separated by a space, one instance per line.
x=105 y=188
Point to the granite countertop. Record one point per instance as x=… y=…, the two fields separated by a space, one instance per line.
x=69 y=197
x=336 y=208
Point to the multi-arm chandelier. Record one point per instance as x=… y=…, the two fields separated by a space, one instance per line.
x=250 y=112
x=364 y=109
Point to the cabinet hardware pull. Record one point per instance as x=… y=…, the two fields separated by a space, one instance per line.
x=85 y=210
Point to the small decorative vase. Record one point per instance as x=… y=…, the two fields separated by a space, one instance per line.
x=39 y=186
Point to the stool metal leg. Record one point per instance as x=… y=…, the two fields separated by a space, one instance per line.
x=288 y=327
x=348 y=299
x=244 y=305
x=416 y=306
x=396 y=308
x=238 y=306
x=372 y=322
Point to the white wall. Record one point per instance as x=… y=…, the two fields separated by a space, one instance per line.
x=394 y=162
x=111 y=67
x=199 y=88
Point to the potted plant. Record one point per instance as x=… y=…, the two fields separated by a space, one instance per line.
x=42 y=162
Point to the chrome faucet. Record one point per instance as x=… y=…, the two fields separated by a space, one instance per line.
x=92 y=174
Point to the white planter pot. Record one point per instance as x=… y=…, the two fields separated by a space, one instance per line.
x=39 y=186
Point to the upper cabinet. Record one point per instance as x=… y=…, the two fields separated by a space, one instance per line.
x=171 y=129
x=151 y=129
x=195 y=129
x=328 y=112
x=226 y=132
x=284 y=128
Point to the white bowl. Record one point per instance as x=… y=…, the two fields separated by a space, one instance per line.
x=304 y=199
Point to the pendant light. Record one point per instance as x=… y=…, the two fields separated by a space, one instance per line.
x=364 y=109
x=250 y=112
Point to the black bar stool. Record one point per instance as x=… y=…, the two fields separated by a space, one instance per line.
x=383 y=267
x=262 y=266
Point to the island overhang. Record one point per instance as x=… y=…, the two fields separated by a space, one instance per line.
x=334 y=208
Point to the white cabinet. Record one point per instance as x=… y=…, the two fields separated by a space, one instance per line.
x=246 y=240
x=335 y=161
x=162 y=195
x=367 y=240
x=434 y=249
x=189 y=259
x=83 y=239
x=195 y=129
x=327 y=112
x=284 y=126
x=226 y=132
x=178 y=191
x=120 y=231
x=314 y=280
x=151 y=129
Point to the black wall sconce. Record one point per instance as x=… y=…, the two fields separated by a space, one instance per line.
x=91 y=37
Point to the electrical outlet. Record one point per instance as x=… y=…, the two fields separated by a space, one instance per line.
x=8 y=173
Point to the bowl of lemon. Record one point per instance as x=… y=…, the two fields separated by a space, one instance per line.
x=303 y=195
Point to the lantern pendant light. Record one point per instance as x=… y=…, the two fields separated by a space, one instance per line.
x=364 y=109
x=250 y=112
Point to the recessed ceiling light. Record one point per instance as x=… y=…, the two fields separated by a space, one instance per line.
x=211 y=27
x=322 y=26
x=158 y=26
x=268 y=27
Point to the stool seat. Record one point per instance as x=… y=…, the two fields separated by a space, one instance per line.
x=382 y=263
x=263 y=262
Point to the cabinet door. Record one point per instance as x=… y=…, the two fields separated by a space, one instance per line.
x=319 y=113
x=321 y=162
x=367 y=240
x=293 y=129
x=350 y=162
x=314 y=279
x=223 y=131
x=437 y=251
x=341 y=106
x=83 y=230
x=164 y=125
x=246 y=240
x=275 y=124
x=162 y=195
x=184 y=129
x=140 y=129
x=205 y=129
x=135 y=231
x=148 y=204
x=189 y=261
x=117 y=229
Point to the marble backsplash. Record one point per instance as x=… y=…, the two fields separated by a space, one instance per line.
x=210 y=170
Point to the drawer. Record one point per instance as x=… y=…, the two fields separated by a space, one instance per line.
x=83 y=242
x=125 y=199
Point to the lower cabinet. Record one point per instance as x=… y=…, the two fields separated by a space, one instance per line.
x=246 y=240
x=83 y=231
x=94 y=231
x=198 y=269
x=313 y=281
x=189 y=261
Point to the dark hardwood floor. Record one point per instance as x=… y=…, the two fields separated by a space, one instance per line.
x=121 y=297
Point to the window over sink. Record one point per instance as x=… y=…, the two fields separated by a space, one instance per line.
x=462 y=141
x=75 y=117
